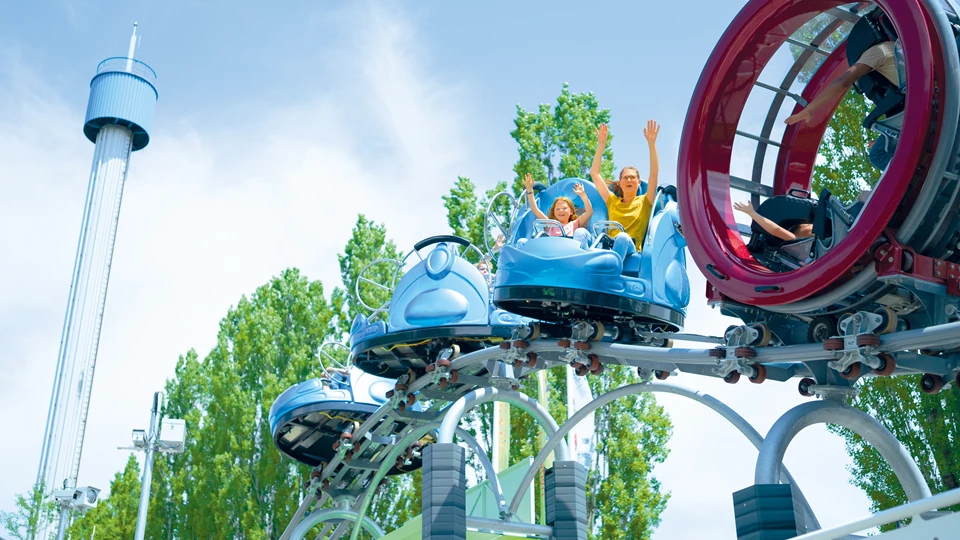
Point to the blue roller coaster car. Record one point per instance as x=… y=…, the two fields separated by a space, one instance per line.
x=443 y=300
x=308 y=419
x=553 y=278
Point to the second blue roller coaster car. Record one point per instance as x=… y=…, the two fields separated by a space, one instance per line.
x=308 y=420
x=553 y=278
x=442 y=301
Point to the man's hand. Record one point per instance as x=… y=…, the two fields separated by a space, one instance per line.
x=803 y=116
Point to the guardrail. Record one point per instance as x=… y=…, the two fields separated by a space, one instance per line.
x=915 y=510
x=128 y=65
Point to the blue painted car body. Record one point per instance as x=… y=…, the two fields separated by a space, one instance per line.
x=442 y=300
x=308 y=418
x=555 y=279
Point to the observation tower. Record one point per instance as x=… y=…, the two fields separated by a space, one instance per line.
x=119 y=117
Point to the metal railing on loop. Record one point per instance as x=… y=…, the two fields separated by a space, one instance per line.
x=132 y=66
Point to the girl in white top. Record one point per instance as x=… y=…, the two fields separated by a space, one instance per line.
x=563 y=211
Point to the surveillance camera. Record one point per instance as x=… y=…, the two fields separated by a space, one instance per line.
x=86 y=497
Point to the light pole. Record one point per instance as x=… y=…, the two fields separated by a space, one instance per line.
x=167 y=437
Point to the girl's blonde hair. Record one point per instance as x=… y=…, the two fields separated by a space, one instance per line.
x=573 y=209
x=615 y=186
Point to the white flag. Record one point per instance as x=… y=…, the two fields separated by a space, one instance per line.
x=582 y=436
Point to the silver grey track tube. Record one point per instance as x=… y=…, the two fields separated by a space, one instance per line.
x=335 y=514
x=822 y=412
x=738 y=421
x=454 y=414
x=152 y=443
x=484 y=462
x=388 y=461
x=308 y=501
x=488 y=469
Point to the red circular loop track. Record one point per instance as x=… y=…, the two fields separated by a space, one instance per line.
x=749 y=42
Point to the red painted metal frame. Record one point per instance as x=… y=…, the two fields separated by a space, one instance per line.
x=705 y=153
x=895 y=259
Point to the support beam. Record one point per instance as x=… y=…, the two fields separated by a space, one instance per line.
x=454 y=414
x=335 y=514
x=738 y=422
x=822 y=412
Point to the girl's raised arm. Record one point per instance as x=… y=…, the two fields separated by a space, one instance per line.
x=601 y=185
x=587 y=206
x=651 y=132
x=531 y=200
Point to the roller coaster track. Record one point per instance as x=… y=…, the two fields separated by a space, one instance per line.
x=351 y=480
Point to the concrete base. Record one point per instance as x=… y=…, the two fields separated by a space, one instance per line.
x=768 y=512
x=444 y=492
x=566 y=500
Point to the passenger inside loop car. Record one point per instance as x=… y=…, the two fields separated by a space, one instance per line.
x=563 y=212
x=796 y=232
x=877 y=71
x=624 y=205
x=789 y=231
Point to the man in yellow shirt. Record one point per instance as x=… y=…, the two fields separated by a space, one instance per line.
x=623 y=203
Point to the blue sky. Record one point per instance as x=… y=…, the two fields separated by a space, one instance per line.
x=275 y=127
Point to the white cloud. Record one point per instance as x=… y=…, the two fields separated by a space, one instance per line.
x=209 y=213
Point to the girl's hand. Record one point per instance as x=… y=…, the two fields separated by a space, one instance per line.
x=578 y=189
x=528 y=183
x=651 y=131
x=745 y=207
x=602 y=133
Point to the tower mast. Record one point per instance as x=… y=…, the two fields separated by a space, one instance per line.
x=119 y=116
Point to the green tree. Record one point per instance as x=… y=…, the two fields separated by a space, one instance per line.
x=925 y=424
x=115 y=516
x=367 y=244
x=466 y=213
x=554 y=143
x=33 y=509
x=231 y=482
x=844 y=167
x=625 y=500
x=559 y=142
